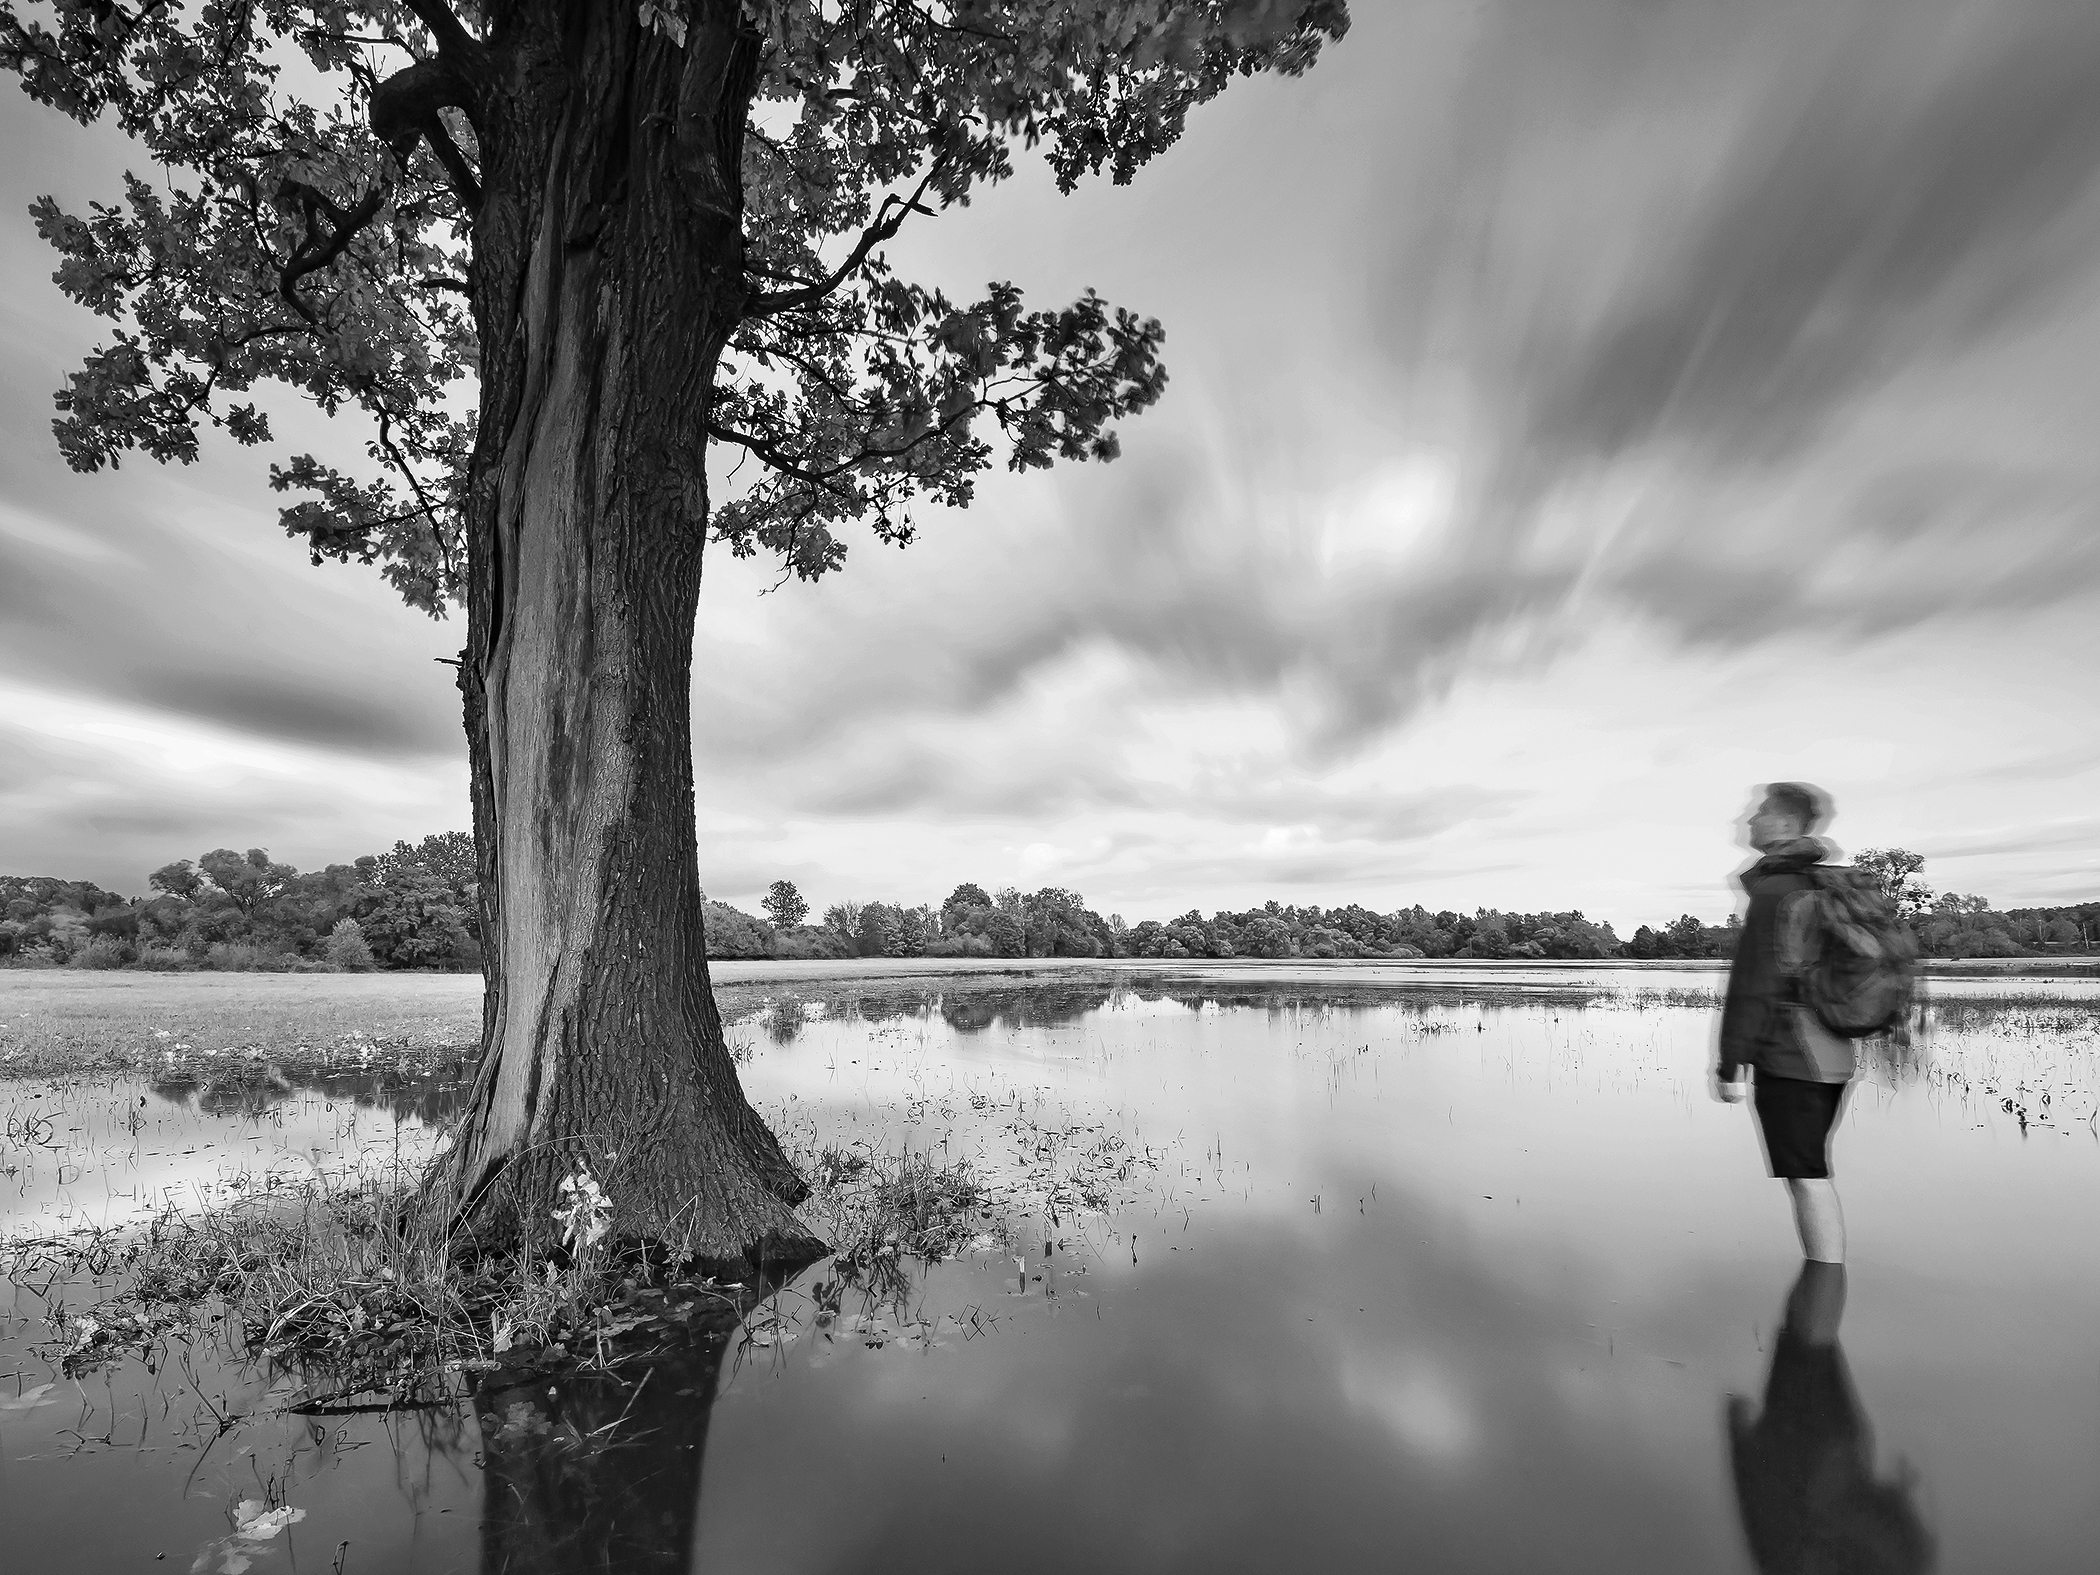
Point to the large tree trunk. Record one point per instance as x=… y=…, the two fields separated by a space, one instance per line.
x=608 y=274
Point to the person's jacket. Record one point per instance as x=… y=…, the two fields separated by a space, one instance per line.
x=1762 y=1023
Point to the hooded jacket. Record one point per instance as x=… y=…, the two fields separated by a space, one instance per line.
x=1762 y=1023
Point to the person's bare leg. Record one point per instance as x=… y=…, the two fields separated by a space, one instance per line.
x=1818 y=1218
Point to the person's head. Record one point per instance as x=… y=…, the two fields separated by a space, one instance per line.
x=1787 y=810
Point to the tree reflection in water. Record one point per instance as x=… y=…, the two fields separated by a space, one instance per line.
x=1804 y=1466
x=598 y=1477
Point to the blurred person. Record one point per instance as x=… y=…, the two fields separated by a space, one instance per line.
x=1804 y=1464
x=1802 y=1069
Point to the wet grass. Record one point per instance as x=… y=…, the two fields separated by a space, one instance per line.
x=56 y=1021
x=877 y=1208
x=327 y=1276
x=335 y=1282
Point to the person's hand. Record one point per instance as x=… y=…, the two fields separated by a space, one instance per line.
x=1726 y=1093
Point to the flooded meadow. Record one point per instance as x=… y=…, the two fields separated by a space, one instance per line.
x=1330 y=1269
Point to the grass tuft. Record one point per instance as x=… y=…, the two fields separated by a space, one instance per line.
x=336 y=1281
x=876 y=1209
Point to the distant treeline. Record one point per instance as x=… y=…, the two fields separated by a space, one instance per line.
x=1954 y=926
x=415 y=907
x=1949 y=924
x=1057 y=923
x=1054 y=922
x=411 y=908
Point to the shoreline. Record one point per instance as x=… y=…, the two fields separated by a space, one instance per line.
x=738 y=971
x=62 y=1020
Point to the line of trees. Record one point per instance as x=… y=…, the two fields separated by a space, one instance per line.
x=412 y=907
x=1953 y=924
x=1055 y=922
x=415 y=907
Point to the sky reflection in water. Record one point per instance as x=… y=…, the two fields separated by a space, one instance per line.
x=1434 y=1283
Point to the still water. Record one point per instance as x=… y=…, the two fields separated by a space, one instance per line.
x=1313 y=1277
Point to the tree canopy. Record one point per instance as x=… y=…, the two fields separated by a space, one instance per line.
x=1896 y=870
x=784 y=905
x=324 y=171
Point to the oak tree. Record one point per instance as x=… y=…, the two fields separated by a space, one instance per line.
x=551 y=254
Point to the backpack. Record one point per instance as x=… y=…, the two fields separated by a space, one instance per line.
x=1858 y=955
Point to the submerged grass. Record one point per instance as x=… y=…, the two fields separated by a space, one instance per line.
x=323 y=1273
x=875 y=1208
x=336 y=1281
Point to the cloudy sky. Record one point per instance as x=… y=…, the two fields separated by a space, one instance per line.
x=1580 y=412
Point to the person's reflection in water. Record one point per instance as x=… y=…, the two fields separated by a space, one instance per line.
x=1804 y=1465
x=598 y=1478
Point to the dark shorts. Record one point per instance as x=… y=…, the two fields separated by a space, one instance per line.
x=1795 y=1118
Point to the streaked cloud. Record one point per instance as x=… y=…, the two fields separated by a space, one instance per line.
x=1579 y=413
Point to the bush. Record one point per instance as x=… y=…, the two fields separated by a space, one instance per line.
x=241 y=957
x=1985 y=943
x=346 y=947
x=104 y=951
x=60 y=934
x=1403 y=951
x=731 y=933
x=164 y=959
x=959 y=946
x=810 y=941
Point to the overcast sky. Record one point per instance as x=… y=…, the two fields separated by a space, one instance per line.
x=1579 y=413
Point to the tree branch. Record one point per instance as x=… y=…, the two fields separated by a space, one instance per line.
x=774 y=459
x=888 y=220
x=455 y=162
x=415 y=484
x=451 y=34
x=317 y=251
x=405 y=107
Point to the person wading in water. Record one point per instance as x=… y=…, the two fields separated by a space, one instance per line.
x=1802 y=1069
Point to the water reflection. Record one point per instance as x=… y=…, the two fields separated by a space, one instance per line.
x=981 y=1010
x=965 y=1009
x=1804 y=1463
x=98 y=1152
x=600 y=1477
x=254 y=1088
x=783 y=1021
x=1361 y=1294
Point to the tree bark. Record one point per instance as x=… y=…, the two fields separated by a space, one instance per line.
x=607 y=276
